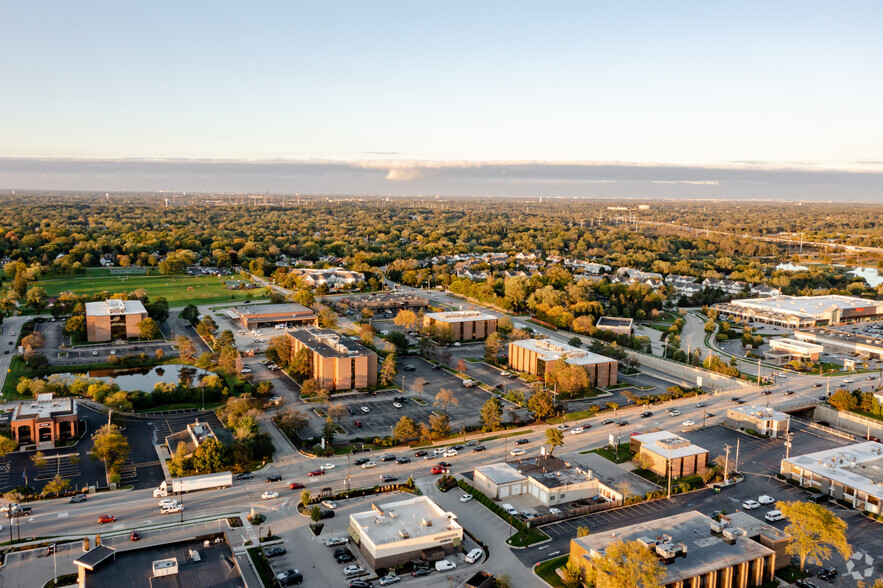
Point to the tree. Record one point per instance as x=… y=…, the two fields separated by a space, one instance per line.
x=405 y=429
x=337 y=411
x=407 y=319
x=624 y=487
x=814 y=531
x=207 y=327
x=36 y=298
x=324 y=396
x=302 y=363
x=440 y=425
x=110 y=446
x=418 y=385
x=582 y=531
x=491 y=414
x=626 y=564
x=541 y=403
x=316 y=514
x=190 y=314
x=842 y=400
x=75 y=325
x=179 y=464
x=210 y=456
x=461 y=366
x=39 y=460
x=158 y=309
x=7 y=446
x=555 y=438
x=444 y=398
x=328 y=319
x=305 y=496
x=388 y=370
x=398 y=339
x=148 y=328
x=366 y=334
x=642 y=461
x=186 y=349
x=492 y=346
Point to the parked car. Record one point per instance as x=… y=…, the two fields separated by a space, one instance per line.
x=329 y=504
x=326 y=514
x=827 y=574
x=466 y=498
x=335 y=541
x=353 y=570
x=345 y=558
x=365 y=409
x=361 y=584
x=420 y=572
x=820 y=498
x=805 y=584
x=274 y=551
x=289 y=577
x=750 y=504
x=474 y=555
x=77 y=498
x=765 y=499
x=510 y=509
x=774 y=515
x=397 y=404
x=274 y=478
x=444 y=565
x=389 y=579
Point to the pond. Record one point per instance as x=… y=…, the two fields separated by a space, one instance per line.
x=145 y=379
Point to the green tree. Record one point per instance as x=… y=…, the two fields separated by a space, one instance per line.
x=110 y=446
x=405 y=429
x=388 y=370
x=190 y=313
x=305 y=496
x=148 y=329
x=7 y=446
x=56 y=485
x=439 y=425
x=302 y=363
x=541 y=403
x=39 y=460
x=814 y=531
x=36 y=298
x=491 y=414
x=316 y=514
x=554 y=438
x=179 y=464
x=626 y=564
x=210 y=456
x=207 y=327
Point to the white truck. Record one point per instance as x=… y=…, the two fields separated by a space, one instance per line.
x=192 y=483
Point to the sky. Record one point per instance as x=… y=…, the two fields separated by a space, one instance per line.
x=582 y=98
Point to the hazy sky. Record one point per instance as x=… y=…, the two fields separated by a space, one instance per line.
x=745 y=84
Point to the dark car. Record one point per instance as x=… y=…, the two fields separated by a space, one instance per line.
x=478 y=448
x=388 y=458
x=78 y=498
x=420 y=572
x=820 y=498
x=817 y=385
x=327 y=514
x=245 y=476
x=734 y=399
x=789 y=392
x=522 y=441
x=340 y=551
x=403 y=460
x=621 y=423
x=766 y=393
x=361 y=460
x=438 y=366
x=646 y=414
x=361 y=584
x=345 y=558
x=444 y=464
x=134 y=536
x=500 y=386
x=387 y=478
x=827 y=574
x=823 y=396
x=421 y=453
x=457 y=447
x=352 y=410
x=805 y=584
x=274 y=478
x=274 y=551
x=289 y=577
x=607 y=421
x=740 y=401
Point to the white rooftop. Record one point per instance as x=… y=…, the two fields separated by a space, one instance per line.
x=114 y=306
x=501 y=473
x=460 y=316
x=417 y=517
x=552 y=351
x=858 y=466
x=668 y=444
x=759 y=412
x=805 y=306
x=45 y=406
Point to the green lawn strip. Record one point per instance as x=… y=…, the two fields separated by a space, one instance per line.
x=547 y=570
x=17 y=370
x=183 y=405
x=622 y=453
x=527 y=538
x=262 y=565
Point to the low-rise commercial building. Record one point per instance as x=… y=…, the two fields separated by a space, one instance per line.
x=337 y=363
x=694 y=549
x=190 y=438
x=663 y=448
x=853 y=473
x=114 y=319
x=465 y=325
x=799 y=312
x=619 y=326
x=44 y=421
x=534 y=355
x=761 y=419
x=391 y=301
x=785 y=349
x=332 y=277
x=398 y=532
x=837 y=341
x=268 y=315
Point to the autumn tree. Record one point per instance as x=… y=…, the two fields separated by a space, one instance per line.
x=56 y=485
x=555 y=438
x=148 y=329
x=444 y=398
x=492 y=346
x=842 y=400
x=388 y=370
x=491 y=414
x=207 y=327
x=301 y=363
x=36 y=298
x=328 y=319
x=110 y=446
x=186 y=349
x=440 y=425
x=407 y=319
x=337 y=411
x=405 y=429
x=419 y=384
x=625 y=564
x=814 y=531
x=7 y=446
x=461 y=366
x=541 y=403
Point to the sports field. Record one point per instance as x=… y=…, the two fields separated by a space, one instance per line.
x=179 y=290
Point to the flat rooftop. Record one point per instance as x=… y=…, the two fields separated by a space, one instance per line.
x=705 y=551
x=114 y=307
x=134 y=568
x=329 y=343
x=758 y=412
x=393 y=521
x=667 y=444
x=838 y=336
x=291 y=308
x=612 y=321
x=501 y=473
x=44 y=407
x=754 y=527
x=460 y=316
x=858 y=466
x=549 y=351
x=797 y=344
x=806 y=306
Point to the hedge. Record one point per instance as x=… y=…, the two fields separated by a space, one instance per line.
x=492 y=506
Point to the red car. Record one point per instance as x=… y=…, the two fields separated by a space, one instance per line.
x=296 y=486
x=135 y=536
x=317 y=473
x=437 y=469
x=106 y=519
x=357 y=423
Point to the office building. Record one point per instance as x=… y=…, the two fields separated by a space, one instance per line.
x=465 y=325
x=534 y=356
x=761 y=419
x=619 y=326
x=114 y=319
x=337 y=363
x=785 y=349
x=663 y=448
x=44 y=421
x=270 y=315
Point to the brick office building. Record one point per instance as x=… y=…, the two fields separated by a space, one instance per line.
x=337 y=363
x=114 y=319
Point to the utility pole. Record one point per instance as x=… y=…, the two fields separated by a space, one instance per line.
x=704 y=415
x=789 y=436
x=727 y=465
x=736 y=465
x=669 y=471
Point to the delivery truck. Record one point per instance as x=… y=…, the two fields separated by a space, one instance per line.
x=192 y=483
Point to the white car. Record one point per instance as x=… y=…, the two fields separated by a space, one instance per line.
x=326 y=466
x=329 y=504
x=245 y=370
x=562 y=427
x=369 y=465
x=848 y=381
x=335 y=541
x=450 y=453
x=674 y=412
x=688 y=423
x=444 y=565
x=466 y=498
x=353 y=570
x=774 y=515
x=397 y=404
x=389 y=579
x=766 y=499
x=365 y=409
x=269 y=495
x=167 y=502
x=516 y=451
x=474 y=555
x=577 y=431
x=554 y=511
x=750 y=504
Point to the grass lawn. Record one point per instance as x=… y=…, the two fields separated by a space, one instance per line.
x=179 y=290
x=17 y=370
x=622 y=454
x=546 y=570
x=527 y=538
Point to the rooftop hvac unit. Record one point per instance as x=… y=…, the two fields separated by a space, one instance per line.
x=646 y=541
x=718 y=527
x=596 y=553
x=731 y=534
x=426 y=522
x=404 y=534
x=669 y=550
x=392 y=514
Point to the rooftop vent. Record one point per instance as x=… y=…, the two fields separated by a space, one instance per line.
x=670 y=550
x=404 y=534
x=165 y=567
x=731 y=533
x=426 y=522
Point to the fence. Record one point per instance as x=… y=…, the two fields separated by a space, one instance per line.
x=574 y=512
x=824 y=429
